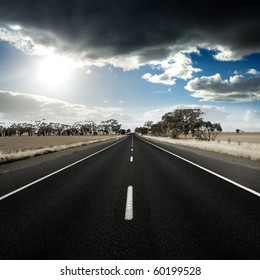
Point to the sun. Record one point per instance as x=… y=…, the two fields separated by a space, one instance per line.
x=54 y=70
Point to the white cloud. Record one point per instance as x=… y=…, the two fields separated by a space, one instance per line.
x=26 y=107
x=178 y=65
x=23 y=106
x=15 y=27
x=224 y=53
x=108 y=109
x=214 y=88
x=181 y=67
x=159 y=79
x=26 y=40
x=252 y=116
x=247 y=121
x=253 y=72
x=127 y=120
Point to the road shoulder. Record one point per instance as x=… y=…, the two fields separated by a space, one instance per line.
x=253 y=164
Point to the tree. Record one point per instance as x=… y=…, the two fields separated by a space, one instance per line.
x=142 y=130
x=111 y=126
x=122 y=131
x=158 y=129
x=148 y=124
x=181 y=121
x=11 y=130
x=238 y=130
x=84 y=128
x=206 y=130
x=185 y=121
x=2 y=130
x=43 y=128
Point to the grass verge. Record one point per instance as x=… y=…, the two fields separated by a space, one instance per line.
x=239 y=149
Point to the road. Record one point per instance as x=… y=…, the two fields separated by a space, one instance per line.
x=128 y=199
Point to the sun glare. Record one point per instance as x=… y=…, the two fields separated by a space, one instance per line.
x=55 y=70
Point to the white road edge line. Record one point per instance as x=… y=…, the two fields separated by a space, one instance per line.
x=57 y=171
x=207 y=170
x=129 y=204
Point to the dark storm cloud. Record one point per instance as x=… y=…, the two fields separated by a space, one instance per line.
x=104 y=28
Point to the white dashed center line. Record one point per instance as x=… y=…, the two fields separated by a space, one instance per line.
x=131 y=159
x=129 y=204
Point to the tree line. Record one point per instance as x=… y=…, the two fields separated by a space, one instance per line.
x=43 y=128
x=182 y=122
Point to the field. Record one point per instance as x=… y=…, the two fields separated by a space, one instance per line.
x=246 y=145
x=15 y=148
x=253 y=137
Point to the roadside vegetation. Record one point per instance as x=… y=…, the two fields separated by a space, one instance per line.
x=186 y=127
x=25 y=140
x=42 y=128
x=182 y=122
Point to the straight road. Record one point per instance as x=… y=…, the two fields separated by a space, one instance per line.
x=127 y=200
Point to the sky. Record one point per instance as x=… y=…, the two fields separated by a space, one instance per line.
x=134 y=61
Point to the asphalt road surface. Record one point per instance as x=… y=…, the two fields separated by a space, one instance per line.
x=128 y=199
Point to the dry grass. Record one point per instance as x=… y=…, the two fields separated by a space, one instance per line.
x=16 y=148
x=246 y=145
